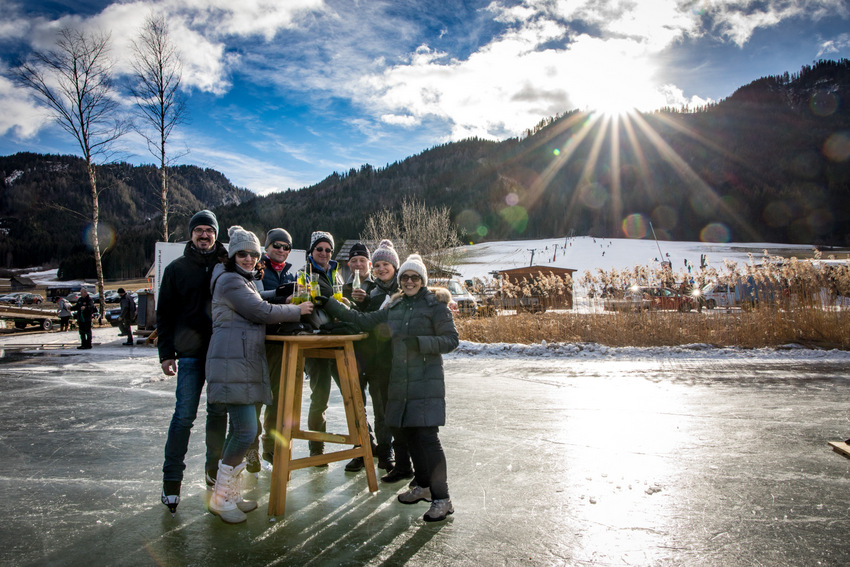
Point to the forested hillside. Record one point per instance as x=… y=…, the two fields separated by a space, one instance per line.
x=45 y=208
x=769 y=163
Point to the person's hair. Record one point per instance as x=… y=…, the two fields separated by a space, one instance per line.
x=230 y=266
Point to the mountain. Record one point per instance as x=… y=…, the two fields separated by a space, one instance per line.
x=45 y=208
x=769 y=163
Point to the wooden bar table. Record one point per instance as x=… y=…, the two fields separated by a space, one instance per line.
x=295 y=349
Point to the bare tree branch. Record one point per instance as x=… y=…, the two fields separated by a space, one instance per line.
x=74 y=80
x=157 y=73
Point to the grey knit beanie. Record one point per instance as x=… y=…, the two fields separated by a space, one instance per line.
x=386 y=253
x=320 y=236
x=241 y=239
x=414 y=263
x=204 y=217
x=277 y=235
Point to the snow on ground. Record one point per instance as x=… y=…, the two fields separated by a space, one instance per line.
x=143 y=360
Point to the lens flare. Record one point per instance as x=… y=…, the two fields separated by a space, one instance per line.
x=664 y=218
x=715 y=232
x=777 y=214
x=594 y=195
x=515 y=216
x=635 y=226
x=106 y=236
x=482 y=231
x=823 y=103
x=468 y=220
x=511 y=199
x=556 y=152
x=837 y=146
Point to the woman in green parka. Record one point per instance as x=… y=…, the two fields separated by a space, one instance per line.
x=421 y=328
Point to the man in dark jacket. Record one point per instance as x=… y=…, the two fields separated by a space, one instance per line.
x=319 y=370
x=84 y=307
x=128 y=313
x=184 y=328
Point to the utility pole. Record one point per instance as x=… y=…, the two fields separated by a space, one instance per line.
x=532 y=250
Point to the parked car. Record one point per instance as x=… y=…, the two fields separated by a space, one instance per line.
x=20 y=297
x=664 y=298
x=634 y=299
x=465 y=301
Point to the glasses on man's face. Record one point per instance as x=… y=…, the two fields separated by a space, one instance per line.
x=415 y=278
x=200 y=231
x=242 y=254
x=281 y=246
x=328 y=250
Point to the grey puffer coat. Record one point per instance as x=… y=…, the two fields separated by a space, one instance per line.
x=236 y=368
x=417 y=389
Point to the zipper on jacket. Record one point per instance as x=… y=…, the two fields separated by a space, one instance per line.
x=244 y=345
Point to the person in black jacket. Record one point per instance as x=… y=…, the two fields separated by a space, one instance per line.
x=84 y=307
x=421 y=329
x=184 y=328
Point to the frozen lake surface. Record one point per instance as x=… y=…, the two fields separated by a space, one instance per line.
x=557 y=455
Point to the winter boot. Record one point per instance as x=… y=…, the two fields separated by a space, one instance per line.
x=223 y=501
x=244 y=505
x=209 y=479
x=414 y=495
x=171 y=494
x=253 y=462
x=440 y=508
x=396 y=474
x=355 y=465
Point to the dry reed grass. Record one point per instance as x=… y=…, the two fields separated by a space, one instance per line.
x=801 y=309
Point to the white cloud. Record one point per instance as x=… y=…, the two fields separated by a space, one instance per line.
x=21 y=116
x=834 y=45
x=738 y=19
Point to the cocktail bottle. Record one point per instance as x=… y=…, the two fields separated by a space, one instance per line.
x=314 y=286
x=355 y=284
x=338 y=292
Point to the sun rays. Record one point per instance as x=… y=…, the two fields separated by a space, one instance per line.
x=609 y=148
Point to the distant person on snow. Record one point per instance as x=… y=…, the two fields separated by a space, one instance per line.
x=63 y=310
x=127 y=315
x=84 y=308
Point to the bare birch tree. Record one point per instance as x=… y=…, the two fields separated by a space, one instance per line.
x=75 y=81
x=418 y=229
x=157 y=73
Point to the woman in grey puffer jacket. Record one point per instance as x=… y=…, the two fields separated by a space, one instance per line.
x=236 y=370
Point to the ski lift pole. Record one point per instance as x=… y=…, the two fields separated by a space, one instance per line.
x=660 y=254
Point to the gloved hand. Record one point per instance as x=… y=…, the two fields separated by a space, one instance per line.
x=284 y=290
x=319 y=300
x=411 y=343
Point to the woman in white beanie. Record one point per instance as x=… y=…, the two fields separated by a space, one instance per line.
x=421 y=329
x=236 y=369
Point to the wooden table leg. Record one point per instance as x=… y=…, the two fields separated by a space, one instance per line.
x=358 y=413
x=283 y=440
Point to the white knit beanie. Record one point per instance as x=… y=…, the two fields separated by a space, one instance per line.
x=241 y=239
x=414 y=263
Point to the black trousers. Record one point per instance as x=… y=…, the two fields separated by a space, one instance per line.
x=429 y=460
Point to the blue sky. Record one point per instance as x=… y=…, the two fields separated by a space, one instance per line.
x=283 y=93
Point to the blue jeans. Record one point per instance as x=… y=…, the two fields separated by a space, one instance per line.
x=190 y=382
x=243 y=431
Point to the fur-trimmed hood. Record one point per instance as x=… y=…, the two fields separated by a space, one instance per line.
x=442 y=295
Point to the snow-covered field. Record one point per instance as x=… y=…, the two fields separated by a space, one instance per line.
x=588 y=253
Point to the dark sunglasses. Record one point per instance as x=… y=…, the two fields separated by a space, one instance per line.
x=281 y=245
x=243 y=254
x=414 y=278
x=328 y=250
